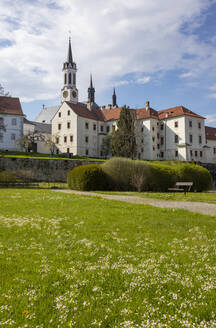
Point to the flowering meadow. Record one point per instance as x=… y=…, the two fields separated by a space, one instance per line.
x=77 y=261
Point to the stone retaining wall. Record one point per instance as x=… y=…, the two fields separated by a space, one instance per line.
x=50 y=170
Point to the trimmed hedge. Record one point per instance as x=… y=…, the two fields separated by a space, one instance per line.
x=162 y=177
x=87 y=177
x=126 y=174
x=200 y=176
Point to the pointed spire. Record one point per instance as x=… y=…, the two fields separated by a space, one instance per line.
x=91 y=91
x=91 y=84
x=70 y=57
x=114 y=103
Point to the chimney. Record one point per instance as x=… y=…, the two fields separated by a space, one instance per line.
x=147 y=105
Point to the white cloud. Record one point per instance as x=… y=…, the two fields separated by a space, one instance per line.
x=213 y=87
x=110 y=39
x=143 y=80
x=212 y=95
x=186 y=75
x=211 y=119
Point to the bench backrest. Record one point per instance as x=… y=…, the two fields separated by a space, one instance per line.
x=189 y=184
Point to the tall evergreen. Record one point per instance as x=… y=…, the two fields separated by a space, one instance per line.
x=123 y=139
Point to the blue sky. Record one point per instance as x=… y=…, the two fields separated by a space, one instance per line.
x=156 y=50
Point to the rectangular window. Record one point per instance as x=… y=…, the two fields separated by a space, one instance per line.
x=190 y=124
x=153 y=147
x=161 y=154
x=199 y=125
x=86 y=152
x=191 y=153
x=59 y=114
x=1 y=121
x=57 y=140
x=158 y=146
x=191 y=138
x=176 y=138
x=158 y=136
x=176 y=124
x=153 y=128
x=196 y=153
x=142 y=140
x=14 y=121
x=86 y=139
x=162 y=140
x=68 y=112
x=142 y=129
x=153 y=139
x=162 y=127
x=59 y=126
x=176 y=153
x=68 y=150
x=13 y=136
x=214 y=150
x=200 y=139
x=94 y=127
x=71 y=138
x=68 y=125
x=65 y=139
x=142 y=150
x=107 y=129
x=86 y=125
x=201 y=153
x=1 y=137
x=101 y=128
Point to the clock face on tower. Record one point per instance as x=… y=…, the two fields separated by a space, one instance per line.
x=74 y=94
x=65 y=94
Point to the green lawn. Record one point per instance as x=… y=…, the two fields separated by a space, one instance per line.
x=47 y=156
x=72 y=261
x=206 y=197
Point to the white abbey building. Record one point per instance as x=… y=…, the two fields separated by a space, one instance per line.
x=170 y=134
x=11 y=123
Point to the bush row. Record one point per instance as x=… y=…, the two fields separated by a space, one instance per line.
x=133 y=175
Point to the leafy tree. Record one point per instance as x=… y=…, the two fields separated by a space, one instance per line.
x=106 y=146
x=3 y=93
x=50 y=141
x=123 y=139
x=27 y=141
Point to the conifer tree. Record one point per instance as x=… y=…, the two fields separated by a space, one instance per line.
x=123 y=139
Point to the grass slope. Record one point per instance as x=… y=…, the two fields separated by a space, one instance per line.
x=72 y=261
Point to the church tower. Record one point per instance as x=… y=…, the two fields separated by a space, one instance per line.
x=91 y=92
x=69 y=91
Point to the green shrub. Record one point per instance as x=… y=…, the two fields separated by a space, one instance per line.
x=87 y=177
x=200 y=176
x=162 y=177
x=119 y=172
x=140 y=176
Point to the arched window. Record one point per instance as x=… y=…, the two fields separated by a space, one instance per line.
x=74 y=79
x=65 y=78
x=69 y=78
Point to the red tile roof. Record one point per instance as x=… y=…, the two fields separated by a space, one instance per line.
x=143 y=113
x=10 y=105
x=83 y=111
x=177 y=111
x=210 y=133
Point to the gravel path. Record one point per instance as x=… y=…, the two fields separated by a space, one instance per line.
x=199 y=207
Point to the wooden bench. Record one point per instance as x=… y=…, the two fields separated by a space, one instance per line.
x=182 y=186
